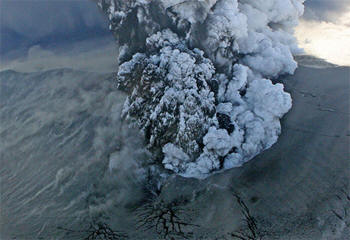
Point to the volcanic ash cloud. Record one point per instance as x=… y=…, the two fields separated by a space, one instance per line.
x=198 y=75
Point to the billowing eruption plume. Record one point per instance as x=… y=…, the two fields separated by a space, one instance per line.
x=198 y=74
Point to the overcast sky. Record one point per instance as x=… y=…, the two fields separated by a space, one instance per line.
x=325 y=10
x=324 y=30
x=26 y=23
x=47 y=34
x=30 y=22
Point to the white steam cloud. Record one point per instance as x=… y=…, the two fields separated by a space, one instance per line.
x=200 y=76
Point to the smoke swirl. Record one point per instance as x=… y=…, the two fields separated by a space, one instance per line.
x=199 y=74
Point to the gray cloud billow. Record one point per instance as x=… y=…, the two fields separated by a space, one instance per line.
x=24 y=23
x=200 y=77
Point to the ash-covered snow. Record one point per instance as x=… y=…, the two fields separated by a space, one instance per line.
x=200 y=76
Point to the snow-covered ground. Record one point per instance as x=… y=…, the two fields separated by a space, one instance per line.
x=67 y=161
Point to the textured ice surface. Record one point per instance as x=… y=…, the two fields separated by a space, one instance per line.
x=200 y=76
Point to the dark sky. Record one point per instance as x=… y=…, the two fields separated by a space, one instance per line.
x=24 y=23
x=325 y=10
x=29 y=22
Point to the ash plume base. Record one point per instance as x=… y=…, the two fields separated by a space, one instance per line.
x=200 y=76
